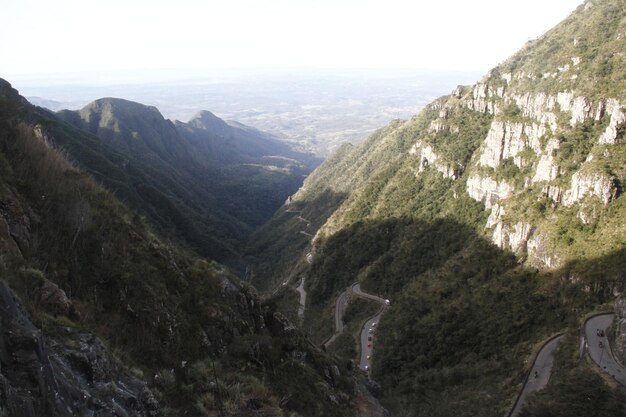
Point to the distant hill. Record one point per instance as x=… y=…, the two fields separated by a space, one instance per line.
x=207 y=182
x=492 y=219
x=47 y=103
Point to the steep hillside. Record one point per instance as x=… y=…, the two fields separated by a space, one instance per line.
x=102 y=317
x=208 y=183
x=235 y=143
x=492 y=219
x=276 y=248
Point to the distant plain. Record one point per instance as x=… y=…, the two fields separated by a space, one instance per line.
x=319 y=109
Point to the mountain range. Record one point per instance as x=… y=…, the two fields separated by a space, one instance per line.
x=101 y=314
x=206 y=183
x=151 y=267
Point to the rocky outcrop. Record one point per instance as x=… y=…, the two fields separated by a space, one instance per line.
x=514 y=238
x=53 y=298
x=497 y=212
x=540 y=252
x=542 y=107
x=480 y=100
x=587 y=213
x=580 y=107
x=41 y=376
x=554 y=192
x=19 y=224
x=437 y=126
x=538 y=106
x=615 y=110
x=7 y=244
x=507 y=139
x=487 y=190
x=547 y=169
x=590 y=184
x=428 y=158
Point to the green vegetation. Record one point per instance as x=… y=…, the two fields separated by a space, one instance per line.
x=455 y=323
x=278 y=248
x=206 y=183
x=593 y=33
x=465 y=313
x=456 y=146
x=576 y=144
x=346 y=347
x=359 y=310
x=575 y=389
x=203 y=343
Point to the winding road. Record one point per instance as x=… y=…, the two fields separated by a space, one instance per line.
x=595 y=332
x=367 y=346
x=594 y=341
x=539 y=375
x=340 y=308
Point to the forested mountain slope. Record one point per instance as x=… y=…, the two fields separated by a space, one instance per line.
x=100 y=316
x=492 y=219
x=206 y=182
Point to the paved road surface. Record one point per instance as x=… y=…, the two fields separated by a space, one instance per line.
x=340 y=307
x=341 y=303
x=603 y=356
x=367 y=346
x=356 y=288
x=543 y=368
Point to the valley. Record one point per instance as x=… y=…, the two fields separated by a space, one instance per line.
x=354 y=244
x=473 y=216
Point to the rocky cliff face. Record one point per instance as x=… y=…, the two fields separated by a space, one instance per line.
x=41 y=375
x=534 y=147
x=528 y=151
x=514 y=181
x=539 y=136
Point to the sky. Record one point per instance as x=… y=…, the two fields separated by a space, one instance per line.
x=71 y=36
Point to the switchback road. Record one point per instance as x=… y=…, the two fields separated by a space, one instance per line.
x=596 y=344
x=340 y=307
x=366 y=337
x=539 y=375
x=595 y=333
x=367 y=345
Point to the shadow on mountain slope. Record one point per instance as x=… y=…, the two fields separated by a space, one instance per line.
x=178 y=182
x=465 y=314
x=278 y=249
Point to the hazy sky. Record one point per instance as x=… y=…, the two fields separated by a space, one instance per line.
x=45 y=36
